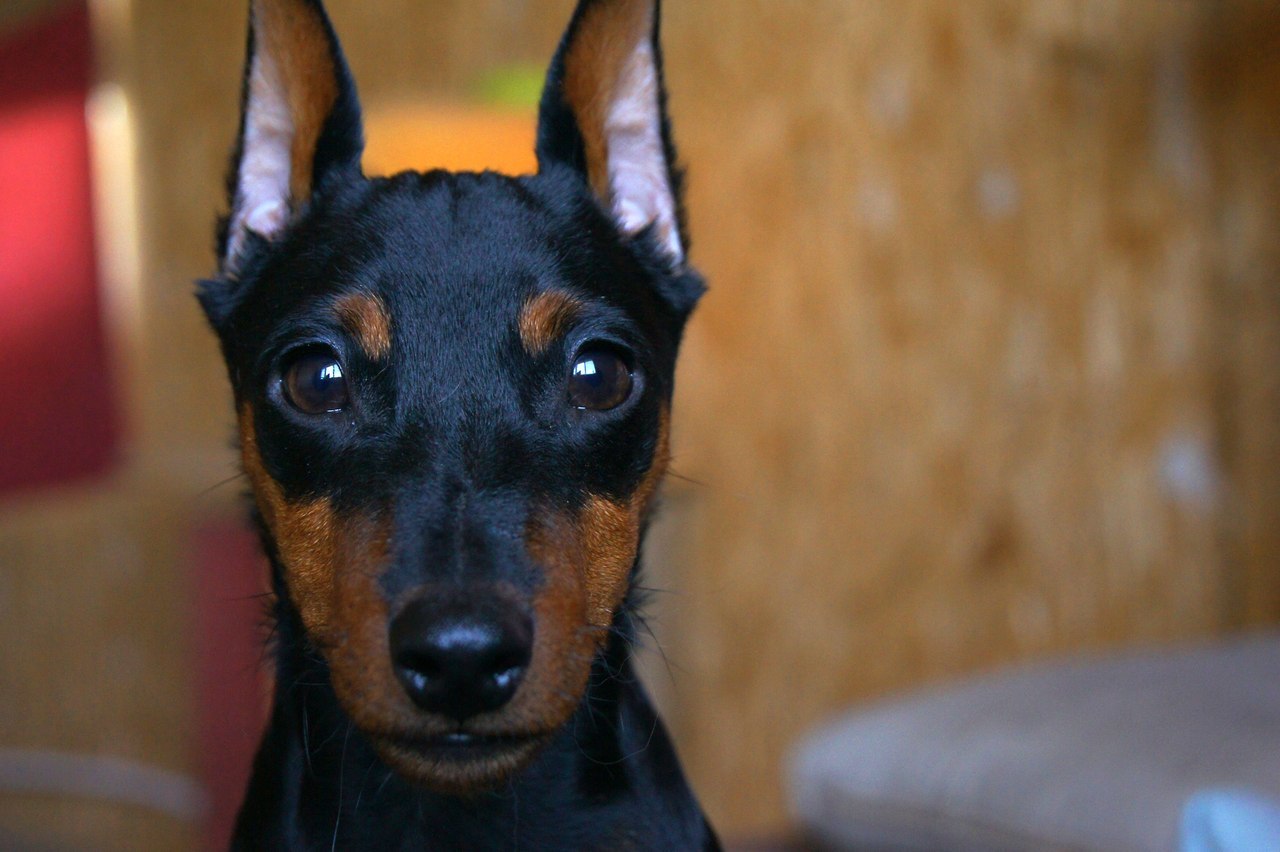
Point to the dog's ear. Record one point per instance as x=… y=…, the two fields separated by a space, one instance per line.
x=604 y=114
x=299 y=123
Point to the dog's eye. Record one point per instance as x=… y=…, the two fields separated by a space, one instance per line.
x=599 y=380
x=314 y=382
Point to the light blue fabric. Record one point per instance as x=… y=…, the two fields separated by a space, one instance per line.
x=1230 y=821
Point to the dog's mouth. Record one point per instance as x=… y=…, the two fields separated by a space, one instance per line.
x=461 y=761
x=466 y=747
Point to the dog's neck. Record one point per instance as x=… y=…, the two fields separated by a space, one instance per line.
x=609 y=778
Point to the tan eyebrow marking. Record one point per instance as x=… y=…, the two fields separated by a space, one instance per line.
x=365 y=316
x=545 y=317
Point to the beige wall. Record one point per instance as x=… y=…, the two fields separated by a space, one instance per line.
x=988 y=370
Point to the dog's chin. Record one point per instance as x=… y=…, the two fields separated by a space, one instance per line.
x=459 y=764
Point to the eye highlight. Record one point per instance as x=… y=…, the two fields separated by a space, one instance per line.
x=599 y=380
x=314 y=382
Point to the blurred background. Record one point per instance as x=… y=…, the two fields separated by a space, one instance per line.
x=989 y=370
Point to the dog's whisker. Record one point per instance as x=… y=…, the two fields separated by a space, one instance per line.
x=355 y=809
x=689 y=479
x=306 y=738
x=342 y=774
x=221 y=483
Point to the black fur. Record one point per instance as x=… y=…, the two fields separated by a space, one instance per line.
x=465 y=434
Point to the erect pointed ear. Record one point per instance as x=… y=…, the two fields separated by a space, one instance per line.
x=299 y=123
x=604 y=113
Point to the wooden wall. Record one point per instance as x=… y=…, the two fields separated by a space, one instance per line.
x=989 y=370
x=1239 y=87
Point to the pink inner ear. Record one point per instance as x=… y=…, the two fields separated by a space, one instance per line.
x=293 y=85
x=611 y=83
x=638 y=174
x=262 y=188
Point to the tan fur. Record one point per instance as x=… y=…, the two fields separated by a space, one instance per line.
x=366 y=317
x=563 y=645
x=610 y=532
x=545 y=318
x=459 y=779
x=303 y=533
x=587 y=560
x=331 y=567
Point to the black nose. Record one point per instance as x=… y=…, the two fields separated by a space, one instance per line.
x=458 y=658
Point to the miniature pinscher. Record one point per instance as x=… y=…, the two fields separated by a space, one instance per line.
x=453 y=393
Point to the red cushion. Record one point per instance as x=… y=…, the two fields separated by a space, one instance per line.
x=59 y=420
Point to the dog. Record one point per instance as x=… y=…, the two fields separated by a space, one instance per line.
x=453 y=397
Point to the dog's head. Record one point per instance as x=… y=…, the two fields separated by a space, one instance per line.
x=453 y=389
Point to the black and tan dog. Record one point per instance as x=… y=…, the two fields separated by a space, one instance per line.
x=453 y=394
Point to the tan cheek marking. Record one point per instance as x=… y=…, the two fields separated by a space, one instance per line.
x=562 y=649
x=593 y=67
x=292 y=34
x=331 y=568
x=610 y=532
x=366 y=317
x=586 y=562
x=545 y=318
x=602 y=541
x=360 y=659
x=305 y=535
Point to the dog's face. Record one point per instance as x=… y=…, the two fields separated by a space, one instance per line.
x=453 y=390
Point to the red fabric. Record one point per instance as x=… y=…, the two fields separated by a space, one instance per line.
x=58 y=421
x=232 y=675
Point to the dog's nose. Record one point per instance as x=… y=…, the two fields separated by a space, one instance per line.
x=460 y=660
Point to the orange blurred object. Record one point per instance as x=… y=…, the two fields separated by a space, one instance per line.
x=448 y=136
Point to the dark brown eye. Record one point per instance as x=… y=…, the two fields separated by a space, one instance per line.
x=599 y=380
x=314 y=382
